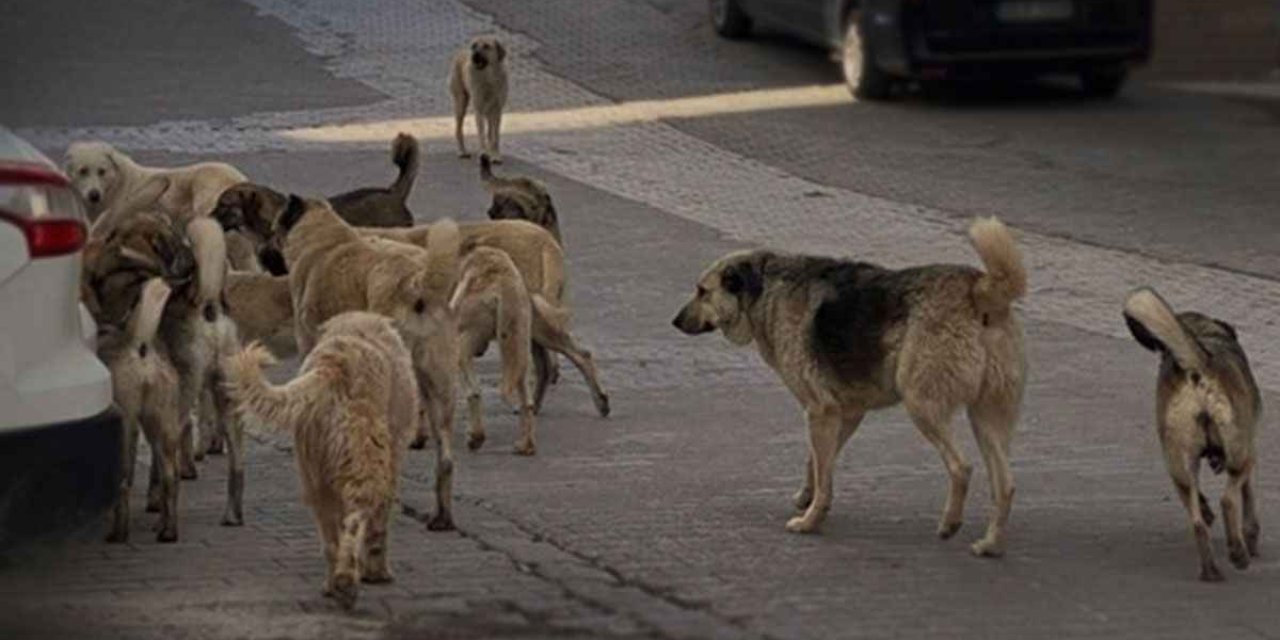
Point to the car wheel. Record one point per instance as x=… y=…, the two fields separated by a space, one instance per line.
x=729 y=20
x=865 y=79
x=1102 y=83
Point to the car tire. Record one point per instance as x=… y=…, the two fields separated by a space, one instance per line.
x=729 y=20
x=865 y=79
x=1102 y=83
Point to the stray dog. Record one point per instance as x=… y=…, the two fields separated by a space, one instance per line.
x=478 y=76
x=333 y=269
x=115 y=187
x=850 y=337
x=1207 y=407
x=194 y=328
x=145 y=388
x=536 y=254
x=492 y=303
x=342 y=409
x=520 y=198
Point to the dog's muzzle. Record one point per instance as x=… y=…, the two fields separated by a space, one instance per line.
x=94 y=196
x=479 y=61
x=687 y=325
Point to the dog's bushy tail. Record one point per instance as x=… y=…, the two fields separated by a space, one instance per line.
x=146 y=316
x=1005 y=279
x=405 y=155
x=1154 y=325
x=255 y=397
x=444 y=245
x=209 y=244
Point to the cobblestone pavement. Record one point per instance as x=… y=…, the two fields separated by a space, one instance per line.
x=665 y=520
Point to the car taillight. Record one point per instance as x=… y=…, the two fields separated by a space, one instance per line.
x=49 y=237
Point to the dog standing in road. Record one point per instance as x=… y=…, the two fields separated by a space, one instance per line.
x=850 y=337
x=344 y=409
x=492 y=303
x=1207 y=407
x=145 y=390
x=478 y=77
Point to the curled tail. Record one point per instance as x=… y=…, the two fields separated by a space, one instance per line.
x=1154 y=325
x=404 y=154
x=146 y=317
x=444 y=245
x=209 y=245
x=1005 y=279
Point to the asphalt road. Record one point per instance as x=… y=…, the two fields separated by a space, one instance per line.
x=665 y=520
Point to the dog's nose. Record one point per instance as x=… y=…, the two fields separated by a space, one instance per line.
x=95 y=196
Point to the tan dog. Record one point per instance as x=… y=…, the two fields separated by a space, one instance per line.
x=145 y=389
x=1207 y=407
x=349 y=412
x=478 y=76
x=492 y=303
x=260 y=304
x=254 y=210
x=333 y=269
x=850 y=337
x=520 y=198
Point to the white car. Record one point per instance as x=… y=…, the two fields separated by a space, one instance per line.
x=59 y=437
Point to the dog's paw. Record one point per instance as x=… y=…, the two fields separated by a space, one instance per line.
x=803 y=498
x=475 y=441
x=199 y=456
x=948 y=529
x=1211 y=573
x=1251 y=537
x=464 y=154
x=377 y=576
x=153 y=505
x=801 y=524
x=118 y=536
x=987 y=548
x=602 y=405
x=1239 y=556
x=524 y=449
x=441 y=522
x=419 y=442
x=231 y=519
x=188 y=472
x=167 y=534
x=344 y=589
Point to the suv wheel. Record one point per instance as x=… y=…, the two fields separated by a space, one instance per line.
x=1103 y=82
x=729 y=20
x=865 y=80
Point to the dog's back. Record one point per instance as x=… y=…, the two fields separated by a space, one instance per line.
x=384 y=207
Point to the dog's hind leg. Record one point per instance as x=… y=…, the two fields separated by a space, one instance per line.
x=543 y=367
x=526 y=445
x=233 y=427
x=188 y=458
x=935 y=423
x=129 y=460
x=377 y=569
x=1232 y=505
x=345 y=582
x=437 y=388
x=475 y=410
x=1252 y=529
x=993 y=424
x=154 y=491
x=1183 y=473
x=559 y=340
x=162 y=434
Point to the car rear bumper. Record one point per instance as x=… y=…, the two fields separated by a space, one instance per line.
x=56 y=478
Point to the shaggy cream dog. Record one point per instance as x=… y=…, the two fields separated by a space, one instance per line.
x=349 y=415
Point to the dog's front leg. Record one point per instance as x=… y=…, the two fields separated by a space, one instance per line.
x=495 y=127
x=824 y=441
x=1252 y=529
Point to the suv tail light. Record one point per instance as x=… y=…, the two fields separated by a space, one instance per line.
x=51 y=237
x=39 y=201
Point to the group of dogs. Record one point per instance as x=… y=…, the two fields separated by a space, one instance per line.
x=389 y=316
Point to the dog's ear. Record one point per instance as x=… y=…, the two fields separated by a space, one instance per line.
x=1231 y=331
x=502 y=51
x=273 y=261
x=293 y=212
x=744 y=278
x=111 y=157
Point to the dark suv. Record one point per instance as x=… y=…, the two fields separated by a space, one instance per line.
x=885 y=41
